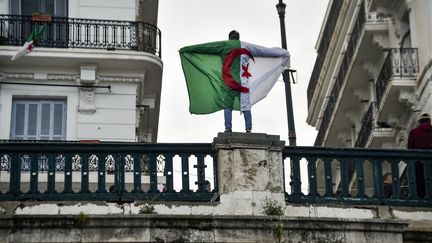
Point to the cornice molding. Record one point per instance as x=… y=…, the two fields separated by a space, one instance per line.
x=15 y=76
x=71 y=77
x=120 y=79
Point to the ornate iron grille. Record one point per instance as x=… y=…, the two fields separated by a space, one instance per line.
x=400 y=63
x=62 y=32
x=366 y=128
x=105 y=171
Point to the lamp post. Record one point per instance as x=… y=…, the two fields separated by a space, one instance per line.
x=286 y=77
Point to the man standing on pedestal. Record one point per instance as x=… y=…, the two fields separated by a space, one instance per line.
x=230 y=75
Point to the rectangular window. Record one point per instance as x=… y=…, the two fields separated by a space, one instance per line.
x=37 y=119
x=58 y=8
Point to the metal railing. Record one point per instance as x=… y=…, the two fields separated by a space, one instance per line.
x=106 y=171
x=399 y=62
x=341 y=76
x=355 y=176
x=323 y=47
x=61 y=32
x=72 y=171
x=366 y=127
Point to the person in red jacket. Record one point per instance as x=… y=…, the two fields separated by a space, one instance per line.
x=420 y=137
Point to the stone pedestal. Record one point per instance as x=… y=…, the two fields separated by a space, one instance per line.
x=250 y=169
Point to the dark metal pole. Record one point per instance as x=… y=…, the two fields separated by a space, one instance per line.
x=286 y=77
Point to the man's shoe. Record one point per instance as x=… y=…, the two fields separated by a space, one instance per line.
x=248 y=130
x=228 y=130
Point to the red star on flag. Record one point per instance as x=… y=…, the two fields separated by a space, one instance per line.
x=30 y=47
x=246 y=73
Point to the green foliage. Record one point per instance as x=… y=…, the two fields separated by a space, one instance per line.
x=81 y=218
x=147 y=208
x=278 y=232
x=271 y=207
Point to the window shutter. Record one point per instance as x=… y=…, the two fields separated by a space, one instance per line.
x=58 y=122
x=32 y=121
x=45 y=121
x=38 y=119
x=18 y=121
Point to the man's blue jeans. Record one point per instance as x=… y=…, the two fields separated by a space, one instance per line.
x=228 y=119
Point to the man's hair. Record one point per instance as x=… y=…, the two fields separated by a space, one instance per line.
x=424 y=117
x=388 y=174
x=234 y=35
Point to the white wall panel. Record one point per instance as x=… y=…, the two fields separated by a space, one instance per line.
x=105 y=9
x=107 y=132
x=4 y=6
x=108 y=116
x=115 y=101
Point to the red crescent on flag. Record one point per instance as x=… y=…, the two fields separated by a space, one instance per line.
x=226 y=69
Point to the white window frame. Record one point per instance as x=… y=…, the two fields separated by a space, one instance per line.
x=39 y=102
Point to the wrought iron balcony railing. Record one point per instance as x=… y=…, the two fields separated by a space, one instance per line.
x=324 y=46
x=105 y=171
x=341 y=76
x=62 y=32
x=366 y=128
x=365 y=163
x=402 y=63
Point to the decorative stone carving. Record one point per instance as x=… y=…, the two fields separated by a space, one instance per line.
x=408 y=98
x=361 y=94
x=352 y=116
x=63 y=77
x=87 y=101
x=120 y=79
x=25 y=76
x=381 y=40
x=88 y=74
x=371 y=69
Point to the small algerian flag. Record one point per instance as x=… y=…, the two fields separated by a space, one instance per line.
x=29 y=44
x=230 y=74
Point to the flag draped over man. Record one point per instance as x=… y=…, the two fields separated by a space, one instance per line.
x=230 y=74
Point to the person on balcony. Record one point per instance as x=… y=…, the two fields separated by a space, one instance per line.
x=420 y=137
x=388 y=181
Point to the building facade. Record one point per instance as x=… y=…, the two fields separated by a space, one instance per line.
x=372 y=74
x=371 y=78
x=94 y=74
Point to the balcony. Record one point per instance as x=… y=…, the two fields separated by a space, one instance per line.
x=366 y=128
x=342 y=74
x=373 y=134
x=323 y=48
x=396 y=82
x=81 y=33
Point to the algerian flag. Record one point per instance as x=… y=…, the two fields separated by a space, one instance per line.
x=230 y=74
x=29 y=44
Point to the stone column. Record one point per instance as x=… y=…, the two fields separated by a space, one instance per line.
x=250 y=169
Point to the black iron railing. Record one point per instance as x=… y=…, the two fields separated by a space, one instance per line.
x=399 y=62
x=342 y=75
x=355 y=176
x=60 y=32
x=323 y=47
x=106 y=171
x=366 y=127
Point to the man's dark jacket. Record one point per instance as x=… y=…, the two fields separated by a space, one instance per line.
x=420 y=137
